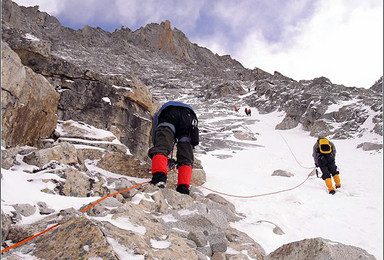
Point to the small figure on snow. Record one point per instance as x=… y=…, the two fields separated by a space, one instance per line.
x=248 y=112
x=237 y=109
x=324 y=154
x=175 y=122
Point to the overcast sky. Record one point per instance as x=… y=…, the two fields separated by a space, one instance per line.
x=302 y=39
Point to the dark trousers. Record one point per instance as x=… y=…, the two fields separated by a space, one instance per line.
x=181 y=118
x=327 y=166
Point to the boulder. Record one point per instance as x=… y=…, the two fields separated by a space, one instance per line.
x=124 y=164
x=224 y=90
x=319 y=249
x=64 y=153
x=79 y=238
x=282 y=173
x=288 y=122
x=25 y=210
x=241 y=242
x=44 y=209
x=368 y=146
x=77 y=184
x=28 y=102
x=6 y=222
x=198 y=237
x=8 y=157
x=218 y=242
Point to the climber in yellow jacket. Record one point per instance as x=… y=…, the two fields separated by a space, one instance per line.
x=324 y=154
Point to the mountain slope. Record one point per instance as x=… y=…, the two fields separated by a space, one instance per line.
x=114 y=81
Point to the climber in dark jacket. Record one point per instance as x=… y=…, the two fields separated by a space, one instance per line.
x=324 y=154
x=174 y=122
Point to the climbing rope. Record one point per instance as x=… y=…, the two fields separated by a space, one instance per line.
x=82 y=211
x=110 y=195
x=27 y=239
x=257 y=195
x=294 y=156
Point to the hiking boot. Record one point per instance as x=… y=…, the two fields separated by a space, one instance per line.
x=332 y=192
x=336 y=178
x=182 y=188
x=159 y=179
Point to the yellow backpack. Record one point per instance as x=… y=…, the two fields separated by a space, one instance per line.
x=324 y=146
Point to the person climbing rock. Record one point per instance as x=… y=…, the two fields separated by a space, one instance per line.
x=324 y=154
x=175 y=122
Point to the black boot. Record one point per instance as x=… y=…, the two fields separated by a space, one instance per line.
x=332 y=192
x=182 y=188
x=159 y=179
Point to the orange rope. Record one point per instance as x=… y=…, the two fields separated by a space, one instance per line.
x=82 y=211
x=252 y=196
x=294 y=156
x=27 y=239
x=110 y=195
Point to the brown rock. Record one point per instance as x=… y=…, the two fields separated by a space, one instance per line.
x=29 y=102
x=78 y=238
x=124 y=164
x=64 y=153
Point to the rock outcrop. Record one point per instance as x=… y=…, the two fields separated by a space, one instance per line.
x=28 y=102
x=318 y=249
x=164 y=58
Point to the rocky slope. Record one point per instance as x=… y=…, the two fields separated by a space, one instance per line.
x=77 y=108
x=162 y=57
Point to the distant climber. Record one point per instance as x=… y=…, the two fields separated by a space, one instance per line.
x=175 y=122
x=248 y=112
x=324 y=154
x=236 y=109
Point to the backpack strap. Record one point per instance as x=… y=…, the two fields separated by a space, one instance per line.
x=172 y=126
x=185 y=139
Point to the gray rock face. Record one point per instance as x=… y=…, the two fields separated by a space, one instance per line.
x=105 y=101
x=159 y=55
x=318 y=105
x=318 y=249
x=378 y=86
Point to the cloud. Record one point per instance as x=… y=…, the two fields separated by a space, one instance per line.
x=303 y=39
x=48 y=6
x=130 y=13
x=342 y=41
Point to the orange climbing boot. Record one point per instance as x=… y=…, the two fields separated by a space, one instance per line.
x=328 y=182
x=336 y=178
